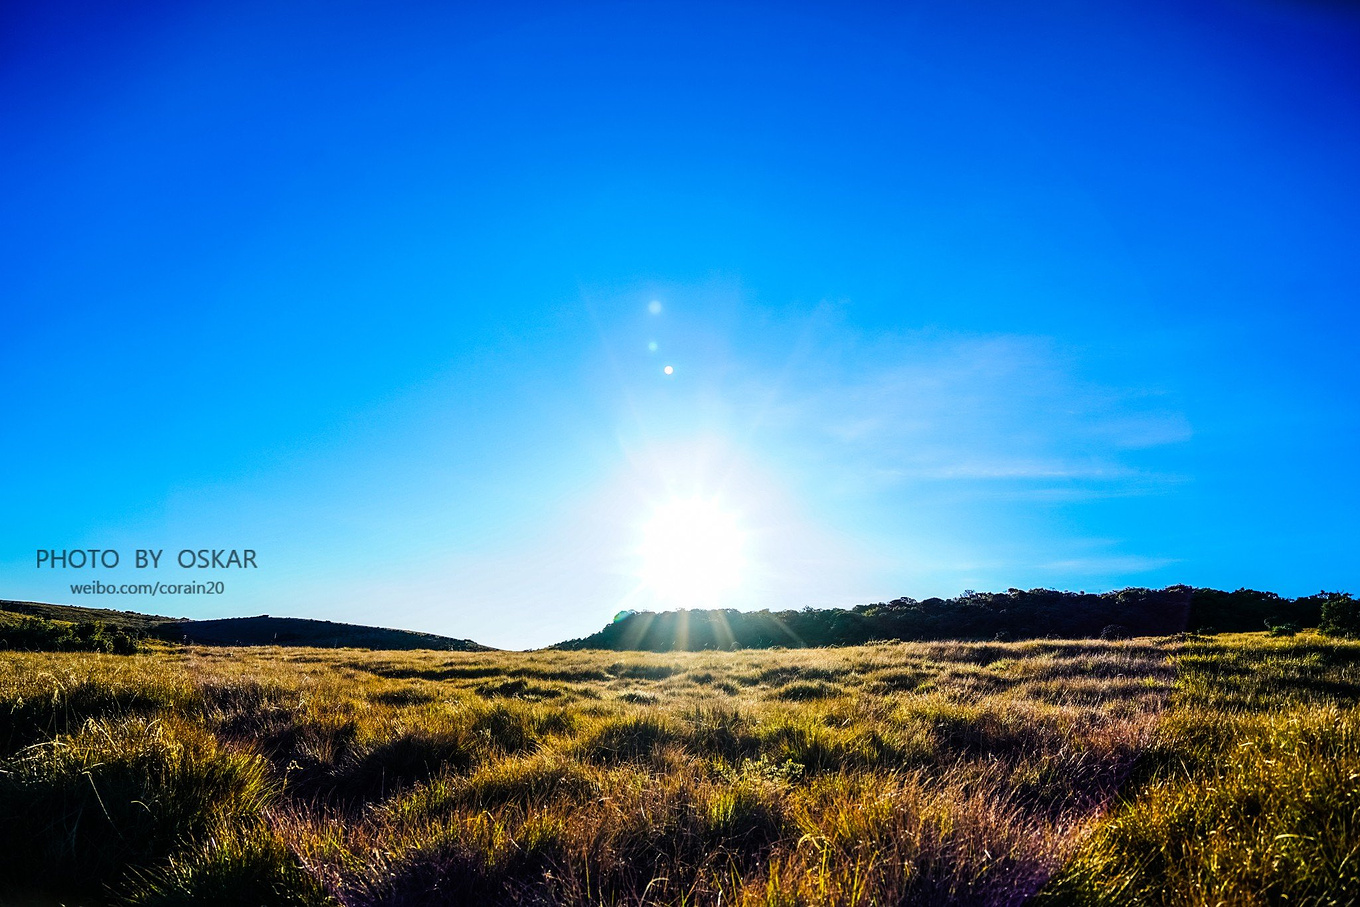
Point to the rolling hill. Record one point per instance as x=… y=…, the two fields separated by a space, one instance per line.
x=261 y=630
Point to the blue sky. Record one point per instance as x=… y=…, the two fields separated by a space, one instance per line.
x=953 y=299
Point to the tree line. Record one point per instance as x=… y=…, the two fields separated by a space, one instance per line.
x=1013 y=614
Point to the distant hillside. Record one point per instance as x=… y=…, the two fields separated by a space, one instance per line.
x=127 y=620
x=247 y=631
x=298 y=631
x=1014 y=614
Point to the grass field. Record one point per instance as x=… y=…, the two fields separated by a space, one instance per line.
x=1217 y=770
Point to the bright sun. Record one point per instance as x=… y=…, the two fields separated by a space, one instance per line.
x=693 y=553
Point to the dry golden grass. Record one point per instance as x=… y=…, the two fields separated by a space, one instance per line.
x=1079 y=771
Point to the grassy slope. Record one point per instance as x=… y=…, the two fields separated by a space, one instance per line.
x=1149 y=771
x=130 y=620
x=248 y=631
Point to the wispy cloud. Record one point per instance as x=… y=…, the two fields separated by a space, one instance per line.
x=1114 y=564
x=989 y=410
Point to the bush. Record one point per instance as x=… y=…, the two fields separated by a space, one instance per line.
x=35 y=634
x=1341 y=617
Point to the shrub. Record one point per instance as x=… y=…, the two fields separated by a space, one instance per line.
x=1341 y=617
x=36 y=634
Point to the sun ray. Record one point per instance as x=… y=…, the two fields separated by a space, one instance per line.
x=723 y=628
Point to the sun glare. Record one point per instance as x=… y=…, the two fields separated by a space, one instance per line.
x=693 y=553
